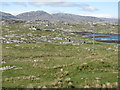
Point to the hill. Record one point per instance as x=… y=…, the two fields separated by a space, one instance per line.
x=4 y=15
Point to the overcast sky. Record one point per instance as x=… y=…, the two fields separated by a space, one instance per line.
x=100 y=8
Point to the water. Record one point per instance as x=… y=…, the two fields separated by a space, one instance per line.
x=107 y=36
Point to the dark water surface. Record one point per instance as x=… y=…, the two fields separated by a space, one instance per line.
x=108 y=37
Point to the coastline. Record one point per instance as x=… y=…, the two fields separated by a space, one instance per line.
x=94 y=33
x=101 y=40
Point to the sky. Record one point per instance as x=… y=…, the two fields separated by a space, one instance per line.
x=97 y=8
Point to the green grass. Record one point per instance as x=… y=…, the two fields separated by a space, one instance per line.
x=45 y=60
x=50 y=55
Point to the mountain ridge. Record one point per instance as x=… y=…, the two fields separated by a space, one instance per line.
x=4 y=15
x=42 y=15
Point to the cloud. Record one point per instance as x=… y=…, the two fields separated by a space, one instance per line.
x=53 y=4
x=13 y=3
x=59 y=4
x=4 y=4
x=59 y=0
x=90 y=8
x=20 y=3
x=100 y=15
x=16 y=12
x=74 y=0
x=62 y=4
x=82 y=6
x=40 y=1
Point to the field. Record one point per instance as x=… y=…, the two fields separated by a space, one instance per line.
x=49 y=59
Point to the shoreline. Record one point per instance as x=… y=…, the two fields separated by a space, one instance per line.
x=93 y=33
x=117 y=41
x=108 y=41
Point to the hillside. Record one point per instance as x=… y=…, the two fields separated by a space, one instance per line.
x=41 y=15
x=4 y=15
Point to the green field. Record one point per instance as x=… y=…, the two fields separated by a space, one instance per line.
x=43 y=60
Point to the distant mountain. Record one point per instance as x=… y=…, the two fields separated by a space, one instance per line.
x=110 y=19
x=41 y=15
x=74 y=18
x=4 y=15
x=35 y=15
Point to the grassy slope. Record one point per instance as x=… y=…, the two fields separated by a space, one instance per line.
x=40 y=64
